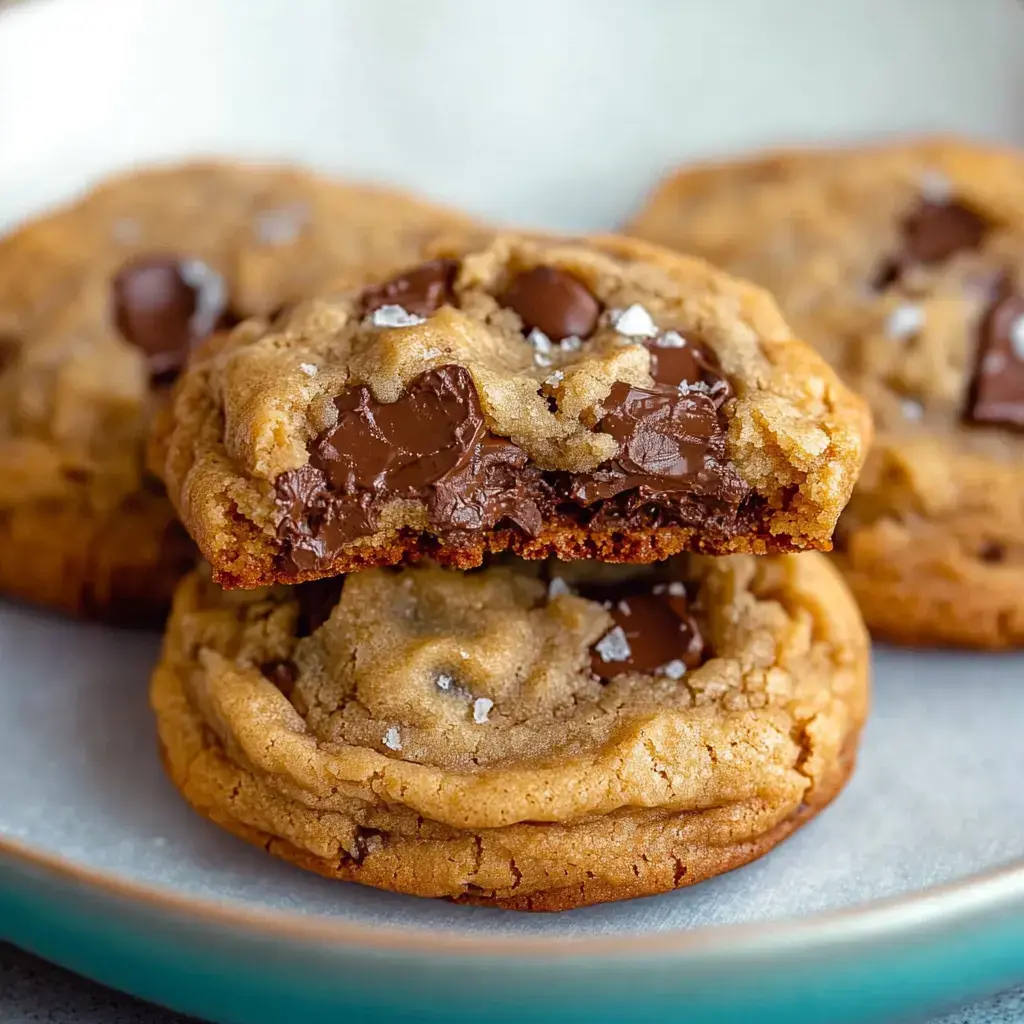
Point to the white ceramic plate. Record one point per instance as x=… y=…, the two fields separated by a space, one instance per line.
x=555 y=113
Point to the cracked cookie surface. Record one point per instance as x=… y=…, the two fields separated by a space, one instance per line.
x=588 y=399
x=100 y=303
x=535 y=736
x=904 y=266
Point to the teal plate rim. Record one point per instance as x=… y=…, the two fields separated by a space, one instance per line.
x=975 y=897
x=218 y=960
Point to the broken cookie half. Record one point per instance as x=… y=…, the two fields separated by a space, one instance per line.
x=596 y=399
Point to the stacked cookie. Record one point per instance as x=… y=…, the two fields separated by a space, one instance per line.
x=501 y=598
x=520 y=623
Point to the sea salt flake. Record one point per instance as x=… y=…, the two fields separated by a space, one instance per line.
x=614 y=646
x=1017 y=338
x=635 y=322
x=540 y=341
x=211 y=295
x=571 y=343
x=281 y=225
x=674 y=669
x=935 y=186
x=700 y=386
x=904 y=322
x=557 y=586
x=671 y=339
x=393 y=738
x=308 y=369
x=911 y=410
x=481 y=709
x=394 y=316
x=444 y=681
x=554 y=379
x=993 y=363
x=623 y=607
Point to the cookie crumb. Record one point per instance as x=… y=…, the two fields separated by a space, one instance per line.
x=674 y=669
x=614 y=646
x=394 y=316
x=482 y=709
x=393 y=738
x=635 y=322
x=904 y=322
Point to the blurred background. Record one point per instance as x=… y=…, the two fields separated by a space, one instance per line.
x=552 y=112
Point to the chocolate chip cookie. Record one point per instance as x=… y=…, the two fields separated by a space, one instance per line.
x=535 y=736
x=100 y=304
x=585 y=399
x=905 y=266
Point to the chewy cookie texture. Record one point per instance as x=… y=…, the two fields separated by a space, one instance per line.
x=100 y=305
x=530 y=736
x=904 y=266
x=602 y=399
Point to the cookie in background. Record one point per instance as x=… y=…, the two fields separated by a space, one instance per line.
x=100 y=305
x=904 y=265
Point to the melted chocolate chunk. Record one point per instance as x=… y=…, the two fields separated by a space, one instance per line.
x=164 y=306
x=316 y=602
x=282 y=674
x=932 y=233
x=996 y=394
x=9 y=349
x=659 y=632
x=554 y=302
x=692 y=363
x=421 y=291
x=431 y=445
x=671 y=447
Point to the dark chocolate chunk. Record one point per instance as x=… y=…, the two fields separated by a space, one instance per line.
x=9 y=349
x=422 y=290
x=996 y=393
x=554 y=302
x=670 y=442
x=933 y=232
x=164 y=306
x=431 y=445
x=992 y=551
x=658 y=631
x=691 y=362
